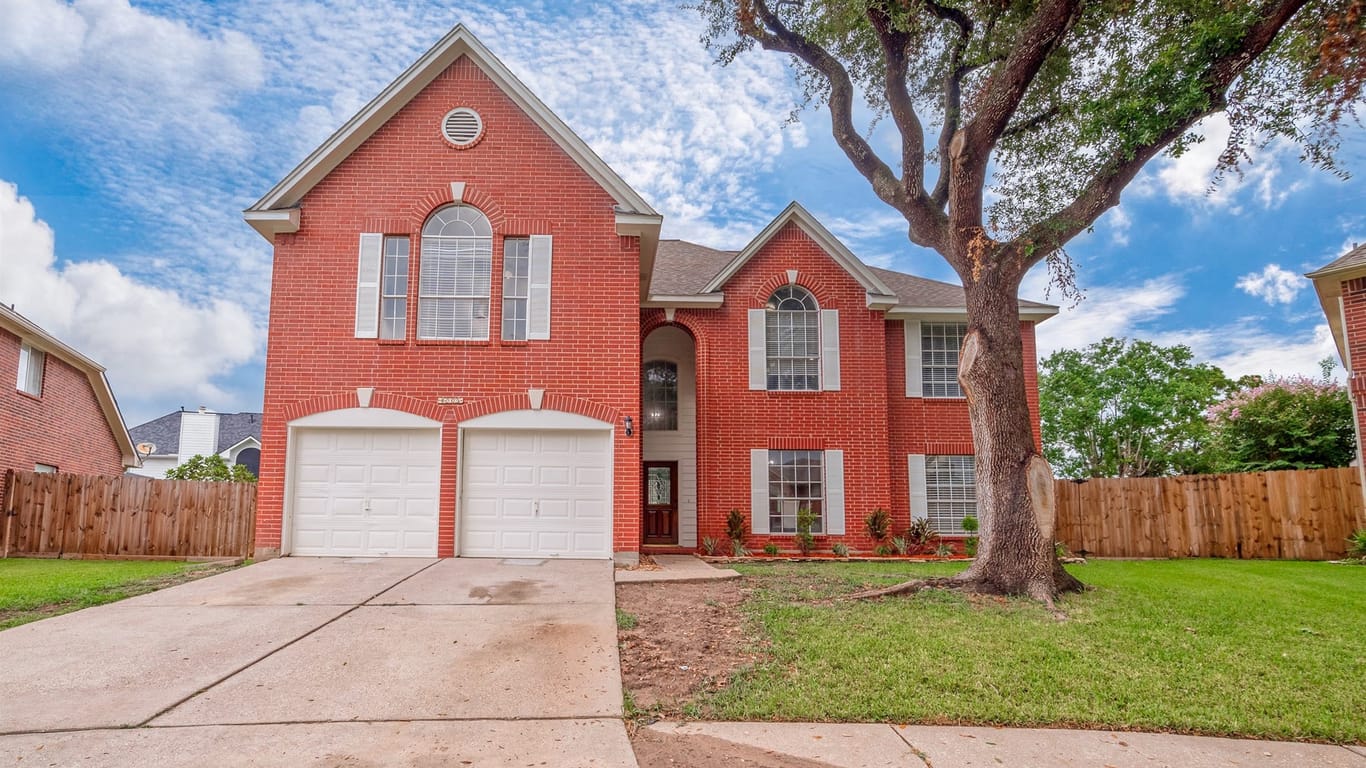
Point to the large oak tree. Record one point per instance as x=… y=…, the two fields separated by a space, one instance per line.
x=1059 y=103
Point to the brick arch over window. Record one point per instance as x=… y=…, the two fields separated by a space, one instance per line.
x=423 y=208
x=818 y=289
x=349 y=399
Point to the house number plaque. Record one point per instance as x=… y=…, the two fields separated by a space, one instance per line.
x=450 y=401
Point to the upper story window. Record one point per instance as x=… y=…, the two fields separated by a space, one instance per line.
x=31 y=370
x=793 y=339
x=516 y=286
x=939 y=347
x=393 y=305
x=456 y=270
x=659 y=396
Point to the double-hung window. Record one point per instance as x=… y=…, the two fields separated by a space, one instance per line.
x=939 y=347
x=393 y=305
x=31 y=370
x=456 y=270
x=516 y=286
x=659 y=396
x=795 y=482
x=950 y=491
x=792 y=331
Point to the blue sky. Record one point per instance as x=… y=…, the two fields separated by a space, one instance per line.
x=135 y=134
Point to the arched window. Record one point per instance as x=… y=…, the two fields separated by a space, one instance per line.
x=457 y=264
x=659 y=396
x=792 y=330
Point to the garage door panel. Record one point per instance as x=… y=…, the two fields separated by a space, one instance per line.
x=535 y=493
x=370 y=492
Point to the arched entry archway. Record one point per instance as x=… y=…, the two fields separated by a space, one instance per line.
x=669 y=438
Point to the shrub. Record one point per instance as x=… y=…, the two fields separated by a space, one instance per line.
x=901 y=545
x=805 y=519
x=882 y=550
x=840 y=549
x=921 y=534
x=944 y=550
x=709 y=545
x=1285 y=423
x=878 y=522
x=970 y=543
x=770 y=549
x=736 y=528
x=210 y=468
x=1356 y=545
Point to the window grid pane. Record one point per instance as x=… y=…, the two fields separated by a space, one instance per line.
x=939 y=346
x=455 y=274
x=516 y=286
x=659 y=396
x=30 y=378
x=951 y=490
x=393 y=315
x=792 y=331
x=796 y=479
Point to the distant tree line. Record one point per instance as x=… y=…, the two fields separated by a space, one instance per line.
x=1132 y=408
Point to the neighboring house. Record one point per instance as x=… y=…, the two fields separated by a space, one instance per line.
x=1341 y=286
x=57 y=413
x=171 y=440
x=479 y=346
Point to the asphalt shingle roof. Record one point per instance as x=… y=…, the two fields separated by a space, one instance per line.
x=164 y=431
x=1353 y=258
x=683 y=269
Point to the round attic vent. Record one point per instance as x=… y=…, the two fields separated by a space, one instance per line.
x=462 y=127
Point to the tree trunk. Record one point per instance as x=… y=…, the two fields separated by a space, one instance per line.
x=1016 y=510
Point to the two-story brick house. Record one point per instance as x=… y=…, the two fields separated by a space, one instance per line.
x=480 y=346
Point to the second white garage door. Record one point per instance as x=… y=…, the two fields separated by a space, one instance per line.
x=366 y=492
x=528 y=493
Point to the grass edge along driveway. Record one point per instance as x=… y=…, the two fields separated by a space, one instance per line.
x=39 y=588
x=1219 y=647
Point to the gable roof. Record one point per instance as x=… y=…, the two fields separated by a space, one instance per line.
x=1328 y=285
x=30 y=333
x=277 y=212
x=794 y=213
x=684 y=269
x=164 y=431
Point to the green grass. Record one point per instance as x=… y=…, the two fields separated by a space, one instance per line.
x=626 y=621
x=32 y=589
x=1252 y=648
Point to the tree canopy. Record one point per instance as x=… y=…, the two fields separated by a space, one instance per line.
x=1121 y=408
x=1285 y=423
x=200 y=467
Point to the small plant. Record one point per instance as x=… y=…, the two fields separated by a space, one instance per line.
x=970 y=543
x=1061 y=551
x=735 y=531
x=879 y=523
x=805 y=519
x=1356 y=546
x=840 y=549
x=944 y=549
x=901 y=544
x=882 y=550
x=709 y=545
x=626 y=621
x=770 y=549
x=921 y=534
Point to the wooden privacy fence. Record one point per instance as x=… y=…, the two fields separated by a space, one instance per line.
x=63 y=514
x=1299 y=515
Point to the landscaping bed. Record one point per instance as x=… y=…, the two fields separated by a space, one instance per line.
x=34 y=588
x=1243 y=648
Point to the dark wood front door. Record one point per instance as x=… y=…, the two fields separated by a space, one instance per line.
x=661 y=502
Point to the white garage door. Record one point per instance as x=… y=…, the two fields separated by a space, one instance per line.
x=541 y=494
x=370 y=492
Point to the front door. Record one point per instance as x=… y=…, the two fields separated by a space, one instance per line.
x=661 y=502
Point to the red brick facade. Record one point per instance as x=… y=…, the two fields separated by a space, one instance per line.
x=1354 y=327
x=65 y=427
x=527 y=184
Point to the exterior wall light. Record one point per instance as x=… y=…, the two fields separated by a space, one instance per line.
x=630 y=427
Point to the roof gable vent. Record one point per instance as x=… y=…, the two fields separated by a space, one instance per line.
x=462 y=127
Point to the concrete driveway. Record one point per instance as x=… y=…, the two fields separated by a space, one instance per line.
x=321 y=661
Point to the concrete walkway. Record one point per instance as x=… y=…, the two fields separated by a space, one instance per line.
x=313 y=661
x=675 y=568
x=873 y=746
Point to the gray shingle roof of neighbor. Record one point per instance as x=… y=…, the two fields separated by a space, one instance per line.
x=1353 y=258
x=683 y=268
x=164 y=431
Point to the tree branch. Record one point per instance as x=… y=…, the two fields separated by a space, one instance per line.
x=894 y=47
x=1101 y=193
x=1029 y=124
x=926 y=224
x=953 y=94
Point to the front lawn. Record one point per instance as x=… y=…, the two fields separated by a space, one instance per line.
x=32 y=589
x=1254 y=648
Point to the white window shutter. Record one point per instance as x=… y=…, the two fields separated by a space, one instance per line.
x=367 y=285
x=830 y=349
x=920 y=500
x=758 y=357
x=834 y=493
x=538 y=297
x=915 y=377
x=758 y=490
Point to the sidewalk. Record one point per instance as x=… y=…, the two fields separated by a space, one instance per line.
x=809 y=745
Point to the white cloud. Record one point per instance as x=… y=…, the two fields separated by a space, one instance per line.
x=1190 y=177
x=1112 y=310
x=1119 y=223
x=153 y=342
x=1245 y=348
x=1272 y=285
